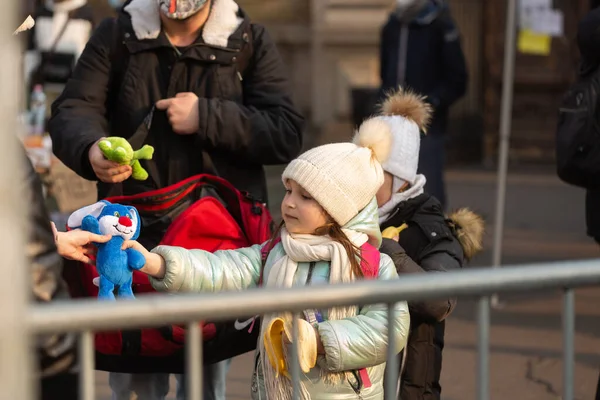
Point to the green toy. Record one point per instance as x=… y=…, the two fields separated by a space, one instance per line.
x=119 y=150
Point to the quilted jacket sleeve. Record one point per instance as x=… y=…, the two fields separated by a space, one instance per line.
x=201 y=271
x=361 y=341
x=79 y=113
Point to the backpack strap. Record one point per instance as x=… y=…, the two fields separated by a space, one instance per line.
x=264 y=254
x=370 y=261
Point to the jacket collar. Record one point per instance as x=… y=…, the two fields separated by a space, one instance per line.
x=224 y=21
x=406 y=210
x=429 y=12
x=64 y=6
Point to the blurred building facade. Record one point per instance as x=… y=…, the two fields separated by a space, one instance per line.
x=336 y=42
x=332 y=47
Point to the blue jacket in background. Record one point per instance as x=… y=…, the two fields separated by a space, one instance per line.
x=425 y=54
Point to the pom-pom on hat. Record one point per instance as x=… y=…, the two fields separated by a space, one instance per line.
x=407 y=114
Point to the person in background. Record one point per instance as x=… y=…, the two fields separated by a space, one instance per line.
x=588 y=42
x=420 y=50
x=62 y=29
x=56 y=354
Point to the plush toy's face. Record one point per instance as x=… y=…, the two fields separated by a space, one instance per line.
x=113 y=219
x=118 y=221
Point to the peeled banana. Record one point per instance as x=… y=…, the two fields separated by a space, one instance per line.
x=276 y=339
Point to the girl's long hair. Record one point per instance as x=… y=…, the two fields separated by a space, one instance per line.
x=335 y=232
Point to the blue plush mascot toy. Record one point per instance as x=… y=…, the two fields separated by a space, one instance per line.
x=114 y=265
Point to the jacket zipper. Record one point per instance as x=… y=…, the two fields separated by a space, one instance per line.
x=402 y=55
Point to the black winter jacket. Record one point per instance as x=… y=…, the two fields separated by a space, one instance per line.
x=425 y=55
x=432 y=246
x=588 y=41
x=247 y=118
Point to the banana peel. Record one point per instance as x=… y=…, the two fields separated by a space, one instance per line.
x=393 y=232
x=273 y=340
x=276 y=339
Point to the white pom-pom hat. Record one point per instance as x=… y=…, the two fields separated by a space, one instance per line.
x=406 y=114
x=344 y=177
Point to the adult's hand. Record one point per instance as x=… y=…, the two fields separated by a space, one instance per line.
x=183 y=113
x=77 y=244
x=107 y=171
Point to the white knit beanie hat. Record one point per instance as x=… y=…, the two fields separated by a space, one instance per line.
x=407 y=114
x=344 y=177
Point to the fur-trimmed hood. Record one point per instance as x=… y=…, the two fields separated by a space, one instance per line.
x=468 y=228
x=223 y=21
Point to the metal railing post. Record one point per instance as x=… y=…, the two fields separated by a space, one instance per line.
x=483 y=365
x=86 y=365
x=193 y=358
x=505 y=127
x=392 y=367
x=295 y=362
x=16 y=373
x=568 y=343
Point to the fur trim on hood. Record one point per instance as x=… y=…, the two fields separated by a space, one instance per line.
x=468 y=228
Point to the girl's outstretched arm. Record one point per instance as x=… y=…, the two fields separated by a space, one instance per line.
x=175 y=269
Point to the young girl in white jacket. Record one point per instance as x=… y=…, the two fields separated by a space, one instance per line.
x=329 y=213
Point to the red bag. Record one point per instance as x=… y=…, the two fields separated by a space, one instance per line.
x=202 y=212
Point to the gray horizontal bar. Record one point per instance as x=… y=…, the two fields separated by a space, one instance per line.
x=156 y=310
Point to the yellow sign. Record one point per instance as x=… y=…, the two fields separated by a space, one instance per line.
x=534 y=43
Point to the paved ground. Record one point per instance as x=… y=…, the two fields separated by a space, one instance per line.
x=545 y=222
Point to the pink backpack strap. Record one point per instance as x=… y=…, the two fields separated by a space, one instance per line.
x=370 y=261
x=264 y=254
x=370 y=267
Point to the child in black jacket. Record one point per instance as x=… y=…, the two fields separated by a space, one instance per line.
x=421 y=239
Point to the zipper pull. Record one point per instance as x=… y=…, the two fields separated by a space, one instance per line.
x=240 y=76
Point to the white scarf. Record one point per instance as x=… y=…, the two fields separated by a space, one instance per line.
x=386 y=210
x=306 y=248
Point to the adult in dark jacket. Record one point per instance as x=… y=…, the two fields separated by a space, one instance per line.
x=202 y=84
x=226 y=110
x=423 y=240
x=588 y=41
x=420 y=50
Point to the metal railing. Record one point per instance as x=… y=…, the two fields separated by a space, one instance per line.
x=90 y=315
x=21 y=322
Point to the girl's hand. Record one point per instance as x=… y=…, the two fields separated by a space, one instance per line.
x=155 y=264
x=77 y=244
x=320 y=347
